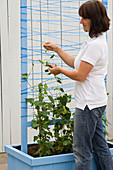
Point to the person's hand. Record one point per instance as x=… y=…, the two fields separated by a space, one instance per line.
x=55 y=69
x=50 y=46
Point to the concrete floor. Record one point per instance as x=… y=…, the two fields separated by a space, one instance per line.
x=3 y=161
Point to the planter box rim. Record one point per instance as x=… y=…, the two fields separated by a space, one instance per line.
x=41 y=160
x=38 y=160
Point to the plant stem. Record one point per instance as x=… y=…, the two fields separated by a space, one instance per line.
x=40 y=125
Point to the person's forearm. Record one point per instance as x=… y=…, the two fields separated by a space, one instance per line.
x=72 y=74
x=69 y=60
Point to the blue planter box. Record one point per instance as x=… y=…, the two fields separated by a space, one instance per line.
x=18 y=160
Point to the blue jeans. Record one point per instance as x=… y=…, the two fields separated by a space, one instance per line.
x=88 y=136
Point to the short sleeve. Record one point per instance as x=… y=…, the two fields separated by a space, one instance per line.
x=92 y=54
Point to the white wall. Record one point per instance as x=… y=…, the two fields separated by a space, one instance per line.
x=110 y=72
x=10 y=62
x=0 y=96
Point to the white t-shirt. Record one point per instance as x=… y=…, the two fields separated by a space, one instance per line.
x=92 y=91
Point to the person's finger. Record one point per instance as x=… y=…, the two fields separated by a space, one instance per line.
x=50 y=69
x=52 y=65
x=47 y=44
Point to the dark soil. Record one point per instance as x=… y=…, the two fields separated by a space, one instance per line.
x=32 y=148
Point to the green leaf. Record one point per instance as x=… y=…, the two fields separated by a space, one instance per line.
x=25 y=76
x=42 y=132
x=42 y=62
x=64 y=131
x=47 y=70
x=51 y=98
x=58 y=79
x=30 y=100
x=52 y=56
x=65 y=143
x=35 y=125
x=61 y=89
x=37 y=152
x=67 y=108
x=45 y=86
x=40 y=86
x=47 y=63
x=45 y=92
x=39 y=103
x=63 y=100
x=45 y=126
x=57 y=88
x=43 y=113
x=49 y=73
x=106 y=133
x=35 y=138
x=50 y=66
x=50 y=134
x=50 y=145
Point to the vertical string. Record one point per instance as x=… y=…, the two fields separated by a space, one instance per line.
x=41 y=40
x=61 y=32
x=48 y=16
x=31 y=9
x=8 y=16
x=61 y=21
x=8 y=47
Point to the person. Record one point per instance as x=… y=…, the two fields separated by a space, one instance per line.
x=90 y=69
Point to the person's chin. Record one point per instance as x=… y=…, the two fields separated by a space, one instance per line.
x=85 y=30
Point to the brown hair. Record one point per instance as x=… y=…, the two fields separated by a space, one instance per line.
x=96 y=12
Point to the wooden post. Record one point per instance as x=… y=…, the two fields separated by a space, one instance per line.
x=23 y=71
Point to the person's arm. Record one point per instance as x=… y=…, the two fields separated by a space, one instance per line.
x=78 y=75
x=69 y=60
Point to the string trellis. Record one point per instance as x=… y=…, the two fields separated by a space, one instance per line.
x=46 y=20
